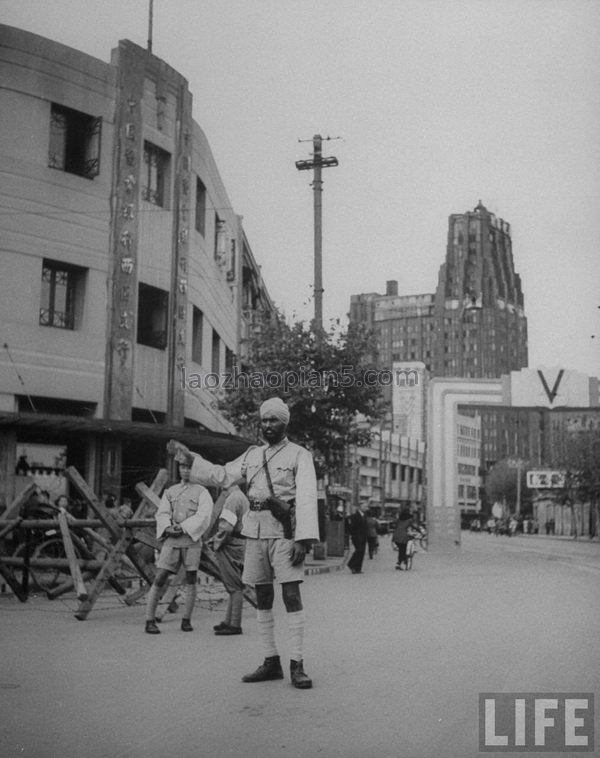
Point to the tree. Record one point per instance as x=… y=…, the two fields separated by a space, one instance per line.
x=501 y=484
x=578 y=456
x=321 y=375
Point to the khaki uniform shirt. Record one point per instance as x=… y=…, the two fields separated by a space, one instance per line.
x=189 y=505
x=293 y=475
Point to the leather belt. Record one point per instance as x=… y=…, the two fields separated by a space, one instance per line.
x=258 y=505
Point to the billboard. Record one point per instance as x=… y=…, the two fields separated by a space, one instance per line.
x=545 y=479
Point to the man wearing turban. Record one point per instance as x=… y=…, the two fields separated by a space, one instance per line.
x=285 y=470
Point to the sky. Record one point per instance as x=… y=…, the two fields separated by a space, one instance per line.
x=431 y=106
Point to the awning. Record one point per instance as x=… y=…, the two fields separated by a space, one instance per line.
x=209 y=443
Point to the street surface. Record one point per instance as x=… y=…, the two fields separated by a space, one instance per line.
x=398 y=660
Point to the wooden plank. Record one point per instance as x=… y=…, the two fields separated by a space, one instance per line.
x=149 y=495
x=68 y=584
x=20 y=500
x=114 y=527
x=108 y=520
x=80 y=587
x=12 y=582
x=123 y=537
x=108 y=567
x=150 y=500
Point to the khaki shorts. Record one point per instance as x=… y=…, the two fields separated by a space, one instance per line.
x=270 y=559
x=171 y=558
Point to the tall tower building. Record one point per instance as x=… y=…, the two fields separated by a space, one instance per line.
x=479 y=310
x=474 y=325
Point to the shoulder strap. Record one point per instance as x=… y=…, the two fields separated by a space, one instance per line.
x=266 y=467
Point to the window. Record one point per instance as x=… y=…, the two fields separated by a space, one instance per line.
x=153 y=306
x=229 y=359
x=200 y=207
x=74 y=142
x=197 y=327
x=154 y=174
x=219 y=237
x=216 y=352
x=62 y=294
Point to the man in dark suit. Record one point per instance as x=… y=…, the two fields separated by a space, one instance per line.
x=359 y=531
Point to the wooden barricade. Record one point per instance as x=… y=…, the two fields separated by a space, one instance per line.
x=88 y=575
x=7 y=573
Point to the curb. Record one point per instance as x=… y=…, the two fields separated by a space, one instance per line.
x=312 y=570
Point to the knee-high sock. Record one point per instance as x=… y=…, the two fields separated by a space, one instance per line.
x=190 y=600
x=234 y=608
x=266 y=631
x=296 y=634
x=154 y=595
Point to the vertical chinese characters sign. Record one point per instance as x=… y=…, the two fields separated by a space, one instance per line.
x=124 y=238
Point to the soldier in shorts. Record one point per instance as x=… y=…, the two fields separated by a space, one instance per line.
x=183 y=516
x=285 y=470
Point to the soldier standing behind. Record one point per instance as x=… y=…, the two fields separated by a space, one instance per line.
x=183 y=516
x=229 y=546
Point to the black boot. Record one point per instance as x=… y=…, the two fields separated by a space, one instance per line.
x=151 y=627
x=228 y=630
x=298 y=677
x=270 y=669
x=186 y=626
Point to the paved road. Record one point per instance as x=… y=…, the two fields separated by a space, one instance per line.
x=398 y=660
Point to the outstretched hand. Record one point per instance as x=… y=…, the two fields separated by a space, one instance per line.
x=179 y=451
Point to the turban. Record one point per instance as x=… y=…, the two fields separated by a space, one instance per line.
x=276 y=407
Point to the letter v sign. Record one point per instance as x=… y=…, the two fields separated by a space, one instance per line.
x=551 y=393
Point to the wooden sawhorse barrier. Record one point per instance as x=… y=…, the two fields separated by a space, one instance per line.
x=88 y=575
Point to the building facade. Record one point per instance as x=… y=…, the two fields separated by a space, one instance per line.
x=474 y=324
x=388 y=473
x=468 y=458
x=124 y=267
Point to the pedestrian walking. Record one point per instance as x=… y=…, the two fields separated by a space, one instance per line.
x=358 y=530
x=279 y=526
x=401 y=537
x=229 y=545
x=183 y=516
x=372 y=536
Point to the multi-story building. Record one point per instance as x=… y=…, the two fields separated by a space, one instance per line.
x=468 y=458
x=123 y=267
x=473 y=325
x=389 y=472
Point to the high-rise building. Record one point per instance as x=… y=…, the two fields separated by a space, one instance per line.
x=473 y=325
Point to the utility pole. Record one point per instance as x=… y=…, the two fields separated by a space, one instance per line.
x=150 y=23
x=317 y=163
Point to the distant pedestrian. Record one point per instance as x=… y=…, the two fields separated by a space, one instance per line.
x=372 y=537
x=183 y=516
x=359 y=531
x=401 y=537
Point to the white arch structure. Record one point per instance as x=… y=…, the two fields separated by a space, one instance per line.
x=445 y=395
